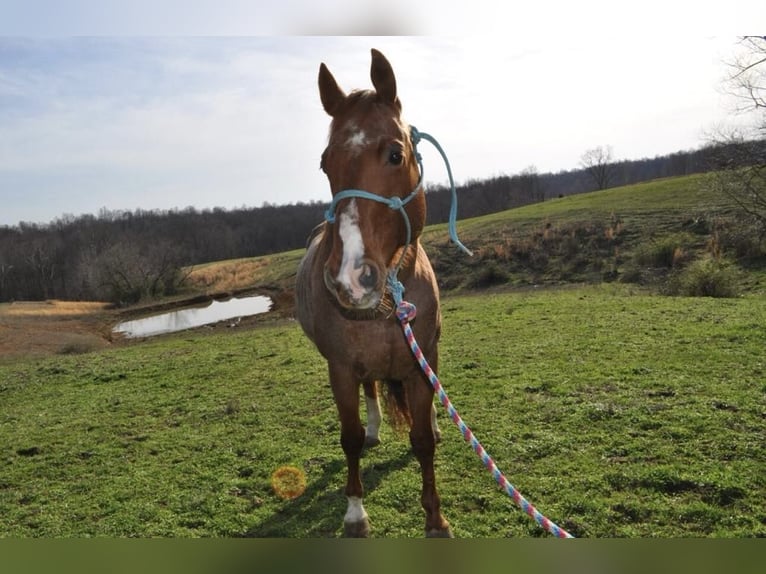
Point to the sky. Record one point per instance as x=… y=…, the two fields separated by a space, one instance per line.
x=111 y=109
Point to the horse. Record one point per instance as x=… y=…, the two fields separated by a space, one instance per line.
x=343 y=296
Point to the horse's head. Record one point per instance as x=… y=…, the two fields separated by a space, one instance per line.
x=369 y=149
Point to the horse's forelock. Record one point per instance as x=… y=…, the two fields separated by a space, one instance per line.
x=365 y=109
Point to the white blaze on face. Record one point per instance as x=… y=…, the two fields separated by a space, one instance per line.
x=353 y=250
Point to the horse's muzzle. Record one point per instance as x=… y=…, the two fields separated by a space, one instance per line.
x=358 y=287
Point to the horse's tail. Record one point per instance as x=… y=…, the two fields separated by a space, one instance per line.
x=396 y=405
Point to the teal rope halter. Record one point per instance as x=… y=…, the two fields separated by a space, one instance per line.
x=416 y=136
x=397 y=203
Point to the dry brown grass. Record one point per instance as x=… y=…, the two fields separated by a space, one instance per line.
x=267 y=271
x=226 y=275
x=51 y=308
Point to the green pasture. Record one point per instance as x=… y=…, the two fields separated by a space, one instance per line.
x=617 y=412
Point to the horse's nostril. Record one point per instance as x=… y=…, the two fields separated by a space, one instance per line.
x=369 y=277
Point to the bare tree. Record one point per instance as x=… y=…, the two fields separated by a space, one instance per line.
x=747 y=75
x=598 y=163
x=740 y=155
x=531 y=185
x=5 y=273
x=126 y=272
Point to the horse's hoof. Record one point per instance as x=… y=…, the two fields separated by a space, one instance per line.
x=371 y=441
x=357 y=529
x=439 y=533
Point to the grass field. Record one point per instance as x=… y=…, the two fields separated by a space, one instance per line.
x=616 y=412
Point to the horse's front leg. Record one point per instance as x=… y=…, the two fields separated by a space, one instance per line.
x=345 y=389
x=423 y=439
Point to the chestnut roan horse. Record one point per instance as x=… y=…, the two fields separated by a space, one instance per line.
x=343 y=302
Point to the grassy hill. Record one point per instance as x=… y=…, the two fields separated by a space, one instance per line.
x=645 y=234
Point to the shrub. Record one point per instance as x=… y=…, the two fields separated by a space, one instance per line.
x=708 y=277
x=487 y=276
x=745 y=238
x=668 y=252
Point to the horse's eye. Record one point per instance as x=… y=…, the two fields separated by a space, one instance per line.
x=395 y=157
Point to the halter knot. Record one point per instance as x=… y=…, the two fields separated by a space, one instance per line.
x=396 y=202
x=329 y=214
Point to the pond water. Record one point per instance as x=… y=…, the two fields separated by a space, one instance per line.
x=194 y=317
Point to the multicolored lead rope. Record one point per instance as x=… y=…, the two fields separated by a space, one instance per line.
x=405 y=312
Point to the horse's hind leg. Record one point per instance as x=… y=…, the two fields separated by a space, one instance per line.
x=372 y=432
x=423 y=440
x=356 y=523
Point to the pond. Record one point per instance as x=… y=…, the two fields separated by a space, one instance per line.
x=189 y=318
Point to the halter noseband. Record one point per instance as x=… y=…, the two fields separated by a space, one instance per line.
x=397 y=204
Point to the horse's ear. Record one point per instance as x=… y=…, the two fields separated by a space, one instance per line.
x=383 y=79
x=329 y=91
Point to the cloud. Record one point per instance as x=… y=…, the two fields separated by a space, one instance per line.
x=157 y=123
x=166 y=122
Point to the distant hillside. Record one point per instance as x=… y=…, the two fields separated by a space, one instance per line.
x=648 y=234
x=125 y=257
x=507 y=191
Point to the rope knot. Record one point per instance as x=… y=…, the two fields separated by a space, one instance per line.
x=405 y=311
x=395 y=203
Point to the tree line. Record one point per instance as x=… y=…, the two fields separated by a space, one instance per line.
x=127 y=256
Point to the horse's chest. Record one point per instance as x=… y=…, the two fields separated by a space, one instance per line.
x=374 y=350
